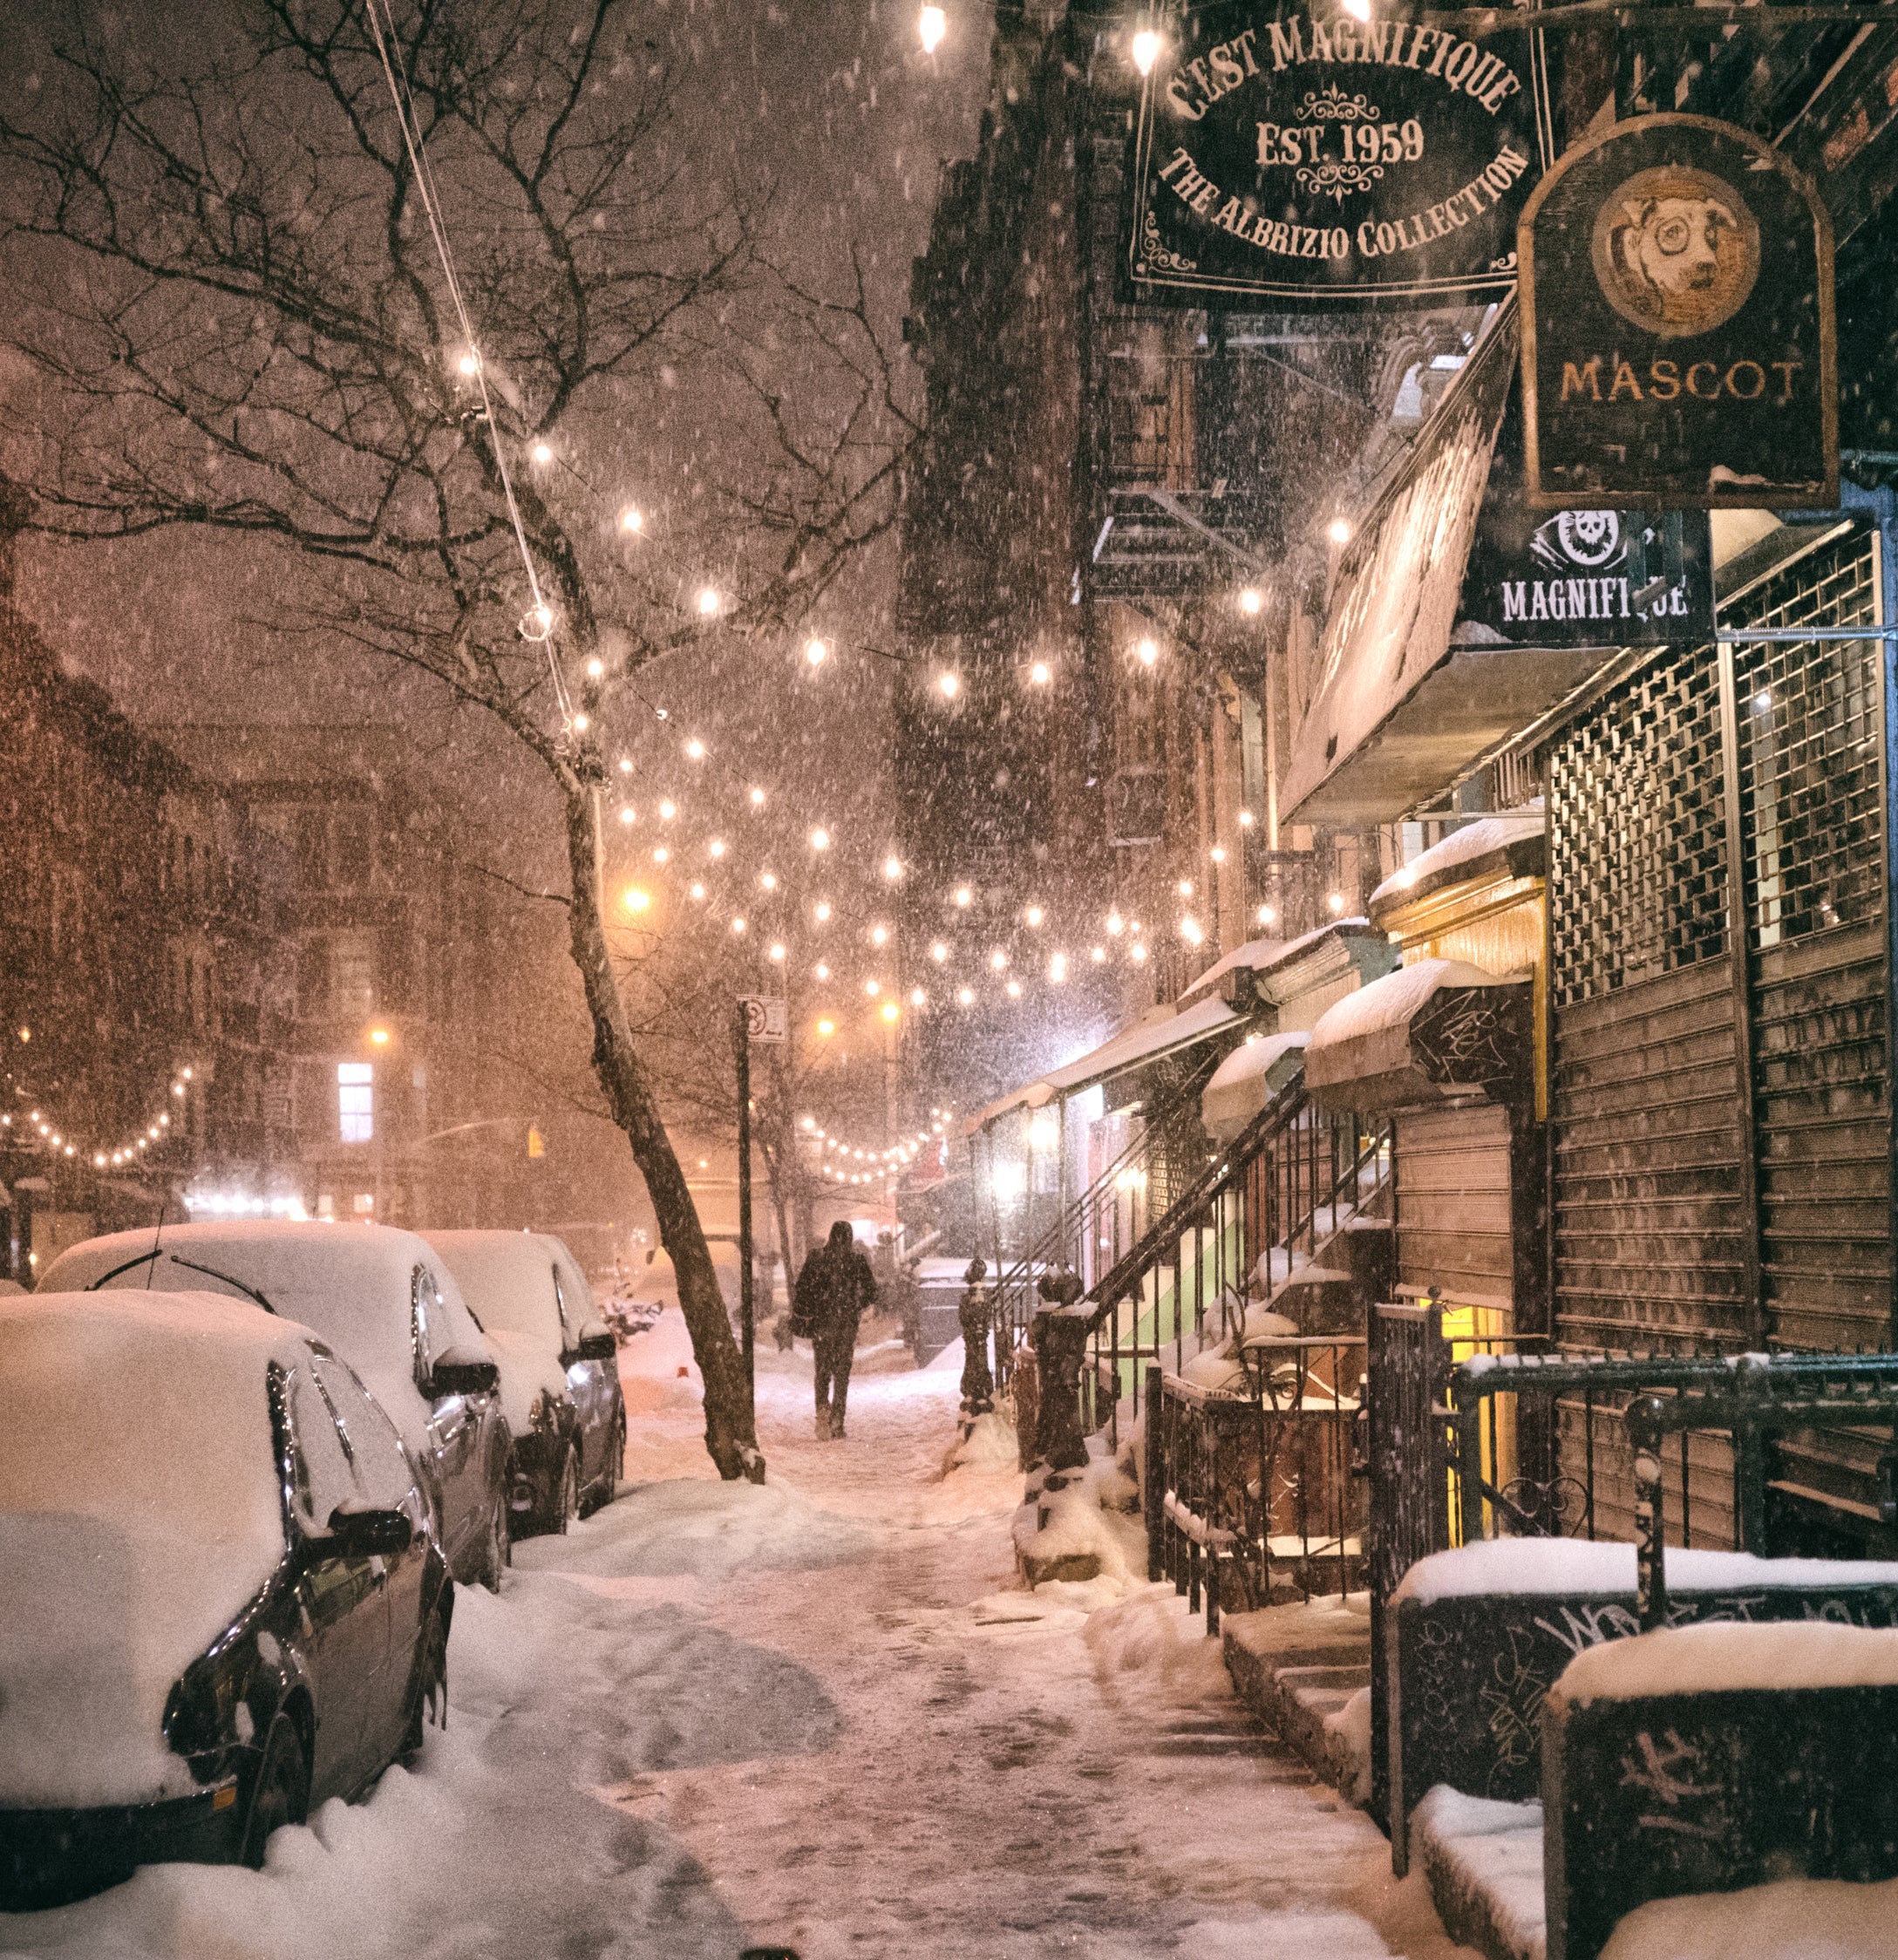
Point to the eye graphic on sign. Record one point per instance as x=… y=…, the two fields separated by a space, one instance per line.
x=1676 y=250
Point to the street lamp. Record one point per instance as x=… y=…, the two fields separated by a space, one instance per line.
x=931 y=27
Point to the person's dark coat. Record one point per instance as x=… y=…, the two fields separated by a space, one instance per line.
x=832 y=1289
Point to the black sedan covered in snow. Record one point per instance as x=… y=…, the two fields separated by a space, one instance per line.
x=223 y=1601
x=387 y=1303
x=560 y=1381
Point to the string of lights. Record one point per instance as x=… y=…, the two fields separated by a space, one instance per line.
x=34 y=1127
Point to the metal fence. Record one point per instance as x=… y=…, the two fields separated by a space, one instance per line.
x=1254 y=1496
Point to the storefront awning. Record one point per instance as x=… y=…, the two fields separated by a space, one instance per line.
x=1145 y=1041
x=1509 y=844
x=1246 y=1081
x=1437 y=1031
x=1393 y=609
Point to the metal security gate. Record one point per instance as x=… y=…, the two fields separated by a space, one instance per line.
x=1720 y=1080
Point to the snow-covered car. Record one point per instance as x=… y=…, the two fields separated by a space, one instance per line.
x=222 y=1603
x=560 y=1378
x=385 y=1302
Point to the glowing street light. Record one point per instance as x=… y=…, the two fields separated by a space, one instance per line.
x=820 y=838
x=931 y=26
x=1148 y=652
x=1252 y=602
x=637 y=900
x=951 y=685
x=816 y=652
x=1039 y=674
x=1339 y=530
x=708 y=602
x=632 y=518
x=1145 y=50
x=542 y=453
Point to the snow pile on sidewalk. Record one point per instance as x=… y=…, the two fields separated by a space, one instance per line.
x=1152 y=1629
x=990 y=1444
x=1081 y=1529
x=1796 y=1919
x=1485 y=1865
x=1348 y=1740
x=708 y=1530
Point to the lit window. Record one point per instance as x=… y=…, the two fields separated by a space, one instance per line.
x=356 y=1101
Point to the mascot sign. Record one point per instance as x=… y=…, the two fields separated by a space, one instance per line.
x=1296 y=155
x=1678 y=347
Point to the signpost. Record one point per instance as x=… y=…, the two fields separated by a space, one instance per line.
x=761 y=1017
x=1678 y=347
x=1286 y=153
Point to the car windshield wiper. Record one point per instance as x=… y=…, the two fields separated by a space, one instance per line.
x=214 y=1273
x=105 y=1278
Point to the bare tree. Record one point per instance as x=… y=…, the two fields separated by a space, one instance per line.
x=224 y=267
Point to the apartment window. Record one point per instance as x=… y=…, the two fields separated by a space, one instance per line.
x=356 y=1101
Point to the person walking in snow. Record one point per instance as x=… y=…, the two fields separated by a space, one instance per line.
x=834 y=1289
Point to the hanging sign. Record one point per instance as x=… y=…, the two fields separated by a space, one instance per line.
x=1580 y=578
x=1678 y=344
x=1296 y=154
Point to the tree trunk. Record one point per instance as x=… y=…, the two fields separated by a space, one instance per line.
x=730 y=1433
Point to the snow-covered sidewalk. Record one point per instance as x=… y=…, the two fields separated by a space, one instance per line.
x=822 y=1714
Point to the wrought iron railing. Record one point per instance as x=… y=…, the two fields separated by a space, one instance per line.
x=1230 y=1244
x=1094 y=1232
x=1251 y=1494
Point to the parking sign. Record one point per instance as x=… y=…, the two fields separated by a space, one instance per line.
x=765 y=1016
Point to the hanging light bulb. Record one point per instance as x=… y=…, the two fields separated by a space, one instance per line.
x=939 y=952
x=1149 y=653
x=879 y=935
x=931 y=25
x=1145 y=50
x=632 y=518
x=668 y=809
x=821 y=911
x=708 y=602
x=1099 y=955
x=637 y=900
x=537 y=622
x=470 y=364
x=823 y=971
x=596 y=669
x=1015 y=990
x=698 y=892
x=1116 y=924
x=717 y=847
x=778 y=952
x=626 y=765
x=1267 y=915
x=998 y=959
x=964 y=896
x=1246 y=820
x=541 y=453
x=1039 y=673
x=965 y=996
x=819 y=839
x=891 y=1012
x=1251 y=601
x=816 y=652
x=768 y=881
x=758 y=799
x=582 y=723
x=1339 y=529
x=661 y=854
x=893 y=868
x=917 y=998
x=738 y=925
x=1058 y=968
x=695 y=749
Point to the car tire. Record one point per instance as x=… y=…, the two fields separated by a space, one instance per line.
x=279 y=1791
x=430 y=1681
x=566 y=1494
x=616 y=1460
x=498 y=1553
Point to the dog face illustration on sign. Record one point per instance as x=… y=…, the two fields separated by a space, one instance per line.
x=1676 y=251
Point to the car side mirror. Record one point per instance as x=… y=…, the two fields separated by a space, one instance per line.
x=366 y=1534
x=461 y=1371
x=595 y=1344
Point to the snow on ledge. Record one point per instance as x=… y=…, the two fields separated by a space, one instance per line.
x=1464 y=847
x=1796 y=1919
x=1515 y=1567
x=1727 y=1656
x=1388 y=1004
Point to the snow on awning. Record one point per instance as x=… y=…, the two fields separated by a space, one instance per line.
x=1254 y=953
x=1246 y=1081
x=1394 y=604
x=1513 y=838
x=1438 y=1030
x=1147 y=1040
